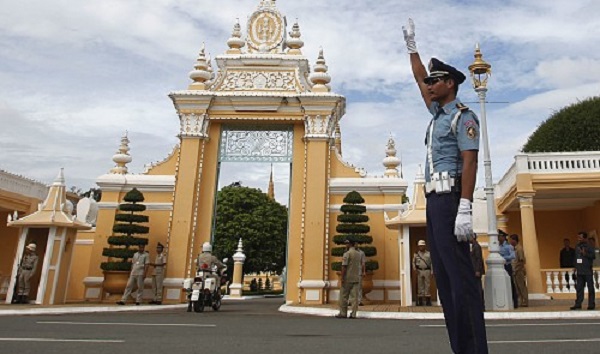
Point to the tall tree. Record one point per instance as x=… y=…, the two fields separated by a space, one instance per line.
x=248 y=213
x=572 y=128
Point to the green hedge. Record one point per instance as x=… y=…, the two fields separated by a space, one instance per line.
x=352 y=218
x=360 y=239
x=353 y=228
x=122 y=253
x=130 y=229
x=132 y=207
x=131 y=218
x=127 y=241
x=122 y=266
x=353 y=209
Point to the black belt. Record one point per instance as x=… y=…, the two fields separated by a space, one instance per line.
x=424 y=268
x=27 y=268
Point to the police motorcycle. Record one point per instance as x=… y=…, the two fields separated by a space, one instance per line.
x=203 y=290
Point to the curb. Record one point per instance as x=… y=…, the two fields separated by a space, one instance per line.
x=555 y=315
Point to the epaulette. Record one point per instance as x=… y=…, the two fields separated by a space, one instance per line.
x=461 y=108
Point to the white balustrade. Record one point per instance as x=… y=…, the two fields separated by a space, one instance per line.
x=543 y=162
x=562 y=281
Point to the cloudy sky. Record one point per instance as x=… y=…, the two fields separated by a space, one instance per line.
x=74 y=75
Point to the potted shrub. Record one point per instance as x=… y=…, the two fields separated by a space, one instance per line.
x=123 y=243
x=352 y=225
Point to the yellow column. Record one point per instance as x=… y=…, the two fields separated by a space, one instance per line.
x=313 y=282
x=530 y=244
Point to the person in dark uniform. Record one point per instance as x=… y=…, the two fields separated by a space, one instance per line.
x=478 y=266
x=584 y=259
x=567 y=259
x=452 y=141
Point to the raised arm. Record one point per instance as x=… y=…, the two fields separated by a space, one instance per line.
x=418 y=69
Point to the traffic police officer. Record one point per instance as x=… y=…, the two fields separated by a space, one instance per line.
x=450 y=170
x=207 y=260
x=158 y=274
x=139 y=268
x=26 y=271
x=422 y=267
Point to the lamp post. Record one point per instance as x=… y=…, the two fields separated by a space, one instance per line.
x=497 y=282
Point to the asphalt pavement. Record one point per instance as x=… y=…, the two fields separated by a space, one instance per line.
x=257 y=326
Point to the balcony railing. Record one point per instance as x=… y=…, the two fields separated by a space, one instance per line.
x=548 y=162
x=562 y=281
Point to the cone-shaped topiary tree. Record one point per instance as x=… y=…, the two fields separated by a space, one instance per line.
x=127 y=225
x=353 y=226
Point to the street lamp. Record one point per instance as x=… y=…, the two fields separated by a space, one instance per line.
x=497 y=282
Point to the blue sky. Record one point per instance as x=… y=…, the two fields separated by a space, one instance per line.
x=75 y=75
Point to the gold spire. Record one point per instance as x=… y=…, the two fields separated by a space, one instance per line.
x=271 y=189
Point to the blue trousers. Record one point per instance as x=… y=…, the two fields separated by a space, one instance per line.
x=455 y=277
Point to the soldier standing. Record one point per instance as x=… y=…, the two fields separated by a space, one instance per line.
x=351 y=265
x=158 y=275
x=422 y=268
x=26 y=271
x=519 y=273
x=452 y=143
x=139 y=268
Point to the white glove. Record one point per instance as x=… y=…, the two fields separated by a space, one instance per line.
x=463 y=227
x=409 y=37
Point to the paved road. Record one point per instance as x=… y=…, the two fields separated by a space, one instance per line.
x=255 y=326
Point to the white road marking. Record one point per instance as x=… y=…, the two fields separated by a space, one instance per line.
x=128 y=324
x=543 y=341
x=61 y=340
x=529 y=324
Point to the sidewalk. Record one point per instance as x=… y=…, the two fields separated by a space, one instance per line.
x=538 y=309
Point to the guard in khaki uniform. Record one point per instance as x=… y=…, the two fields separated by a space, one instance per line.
x=158 y=274
x=139 y=268
x=26 y=271
x=519 y=273
x=422 y=267
x=351 y=266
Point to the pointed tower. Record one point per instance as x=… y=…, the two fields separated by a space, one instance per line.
x=295 y=43
x=320 y=78
x=391 y=162
x=122 y=157
x=271 y=190
x=54 y=230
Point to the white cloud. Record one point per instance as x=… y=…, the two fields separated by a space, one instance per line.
x=77 y=74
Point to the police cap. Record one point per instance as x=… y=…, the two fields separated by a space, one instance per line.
x=438 y=68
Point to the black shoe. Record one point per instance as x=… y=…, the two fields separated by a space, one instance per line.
x=339 y=315
x=576 y=307
x=157 y=302
x=428 y=302
x=137 y=304
x=120 y=303
x=590 y=308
